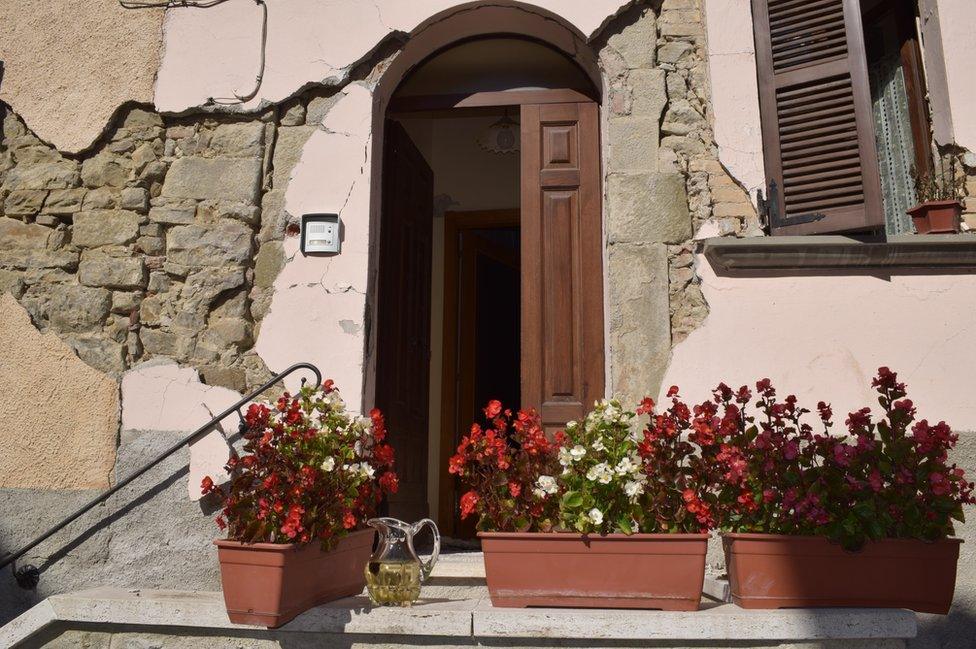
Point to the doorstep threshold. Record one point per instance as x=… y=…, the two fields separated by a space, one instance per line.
x=454 y=607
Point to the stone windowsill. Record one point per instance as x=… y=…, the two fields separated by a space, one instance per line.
x=805 y=254
x=455 y=607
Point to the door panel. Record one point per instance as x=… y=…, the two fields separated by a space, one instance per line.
x=562 y=261
x=403 y=318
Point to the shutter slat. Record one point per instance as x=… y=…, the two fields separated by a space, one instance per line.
x=818 y=134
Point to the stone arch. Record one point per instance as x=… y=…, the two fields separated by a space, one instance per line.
x=432 y=36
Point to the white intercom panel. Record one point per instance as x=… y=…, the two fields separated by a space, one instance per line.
x=320 y=233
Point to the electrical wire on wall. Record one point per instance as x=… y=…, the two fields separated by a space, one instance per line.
x=237 y=99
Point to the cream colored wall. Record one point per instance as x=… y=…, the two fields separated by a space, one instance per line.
x=957 y=22
x=61 y=417
x=68 y=65
x=824 y=337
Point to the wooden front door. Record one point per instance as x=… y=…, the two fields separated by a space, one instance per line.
x=403 y=316
x=562 y=261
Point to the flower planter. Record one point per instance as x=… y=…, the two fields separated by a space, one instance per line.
x=663 y=571
x=268 y=584
x=936 y=217
x=775 y=571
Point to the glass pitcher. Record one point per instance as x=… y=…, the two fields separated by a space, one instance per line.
x=394 y=572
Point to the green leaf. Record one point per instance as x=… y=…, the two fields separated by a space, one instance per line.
x=572 y=499
x=624 y=526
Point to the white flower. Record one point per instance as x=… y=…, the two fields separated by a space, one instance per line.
x=547 y=484
x=538 y=493
x=600 y=472
x=633 y=488
x=571 y=425
x=328 y=464
x=366 y=470
x=577 y=452
x=351 y=468
x=598 y=445
x=595 y=516
x=565 y=457
x=626 y=466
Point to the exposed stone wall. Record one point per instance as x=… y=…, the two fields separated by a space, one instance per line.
x=164 y=240
x=665 y=186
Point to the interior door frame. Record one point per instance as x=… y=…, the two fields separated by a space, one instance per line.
x=454 y=224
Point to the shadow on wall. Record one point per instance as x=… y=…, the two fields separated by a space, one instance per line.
x=149 y=535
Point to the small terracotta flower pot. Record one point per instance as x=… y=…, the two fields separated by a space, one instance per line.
x=664 y=571
x=937 y=217
x=268 y=584
x=775 y=571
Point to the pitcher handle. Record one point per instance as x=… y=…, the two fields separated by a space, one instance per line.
x=427 y=566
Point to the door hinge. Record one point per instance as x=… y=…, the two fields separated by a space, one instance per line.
x=769 y=212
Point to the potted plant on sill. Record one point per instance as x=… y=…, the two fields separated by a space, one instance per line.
x=940 y=200
x=296 y=505
x=819 y=519
x=603 y=516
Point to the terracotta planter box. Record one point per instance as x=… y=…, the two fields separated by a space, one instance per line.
x=936 y=217
x=773 y=571
x=664 y=571
x=268 y=584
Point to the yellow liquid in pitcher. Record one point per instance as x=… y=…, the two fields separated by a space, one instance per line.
x=395 y=583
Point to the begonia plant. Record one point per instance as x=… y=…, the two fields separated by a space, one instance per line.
x=310 y=471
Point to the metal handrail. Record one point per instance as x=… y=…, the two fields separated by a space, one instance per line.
x=27 y=576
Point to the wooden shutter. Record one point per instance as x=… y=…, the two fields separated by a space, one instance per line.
x=403 y=323
x=818 y=132
x=562 y=261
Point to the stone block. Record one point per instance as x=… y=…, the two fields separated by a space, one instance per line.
x=124 y=302
x=319 y=107
x=151 y=245
x=105 y=227
x=164 y=343
x=17 y=234
x=294 y=115
x=287 y=152
x=234 y=378
x=674 y=51
x=24 y=202
x=223 y=333
x=135 y=199
x=112 y=272
x=647 y=207
x=640 y=322
x=649 y=93
x=215 y=210
x=226 y=242
x=268 y=263
x=76 y=308
x=50 y=175
x=65 y=201
x=633 y=144
x=231 y=179
x=103 y=198
x=34 y=258
x=11 y=282
x=173 y=214
x=104 y=355
x=105 y=170
x=238 y=140
x=139 y=118
x=637 y=42
x=274 y=218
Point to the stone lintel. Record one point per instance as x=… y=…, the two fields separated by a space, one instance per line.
x=798 y=255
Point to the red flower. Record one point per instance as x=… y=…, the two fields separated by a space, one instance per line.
x=389 y=482
x=514 y=488
x=469 y=503
x=493 y=409
x=206 y=485
x=672 y=391
x=646 y=406
x=348 y=520
x=328 y=386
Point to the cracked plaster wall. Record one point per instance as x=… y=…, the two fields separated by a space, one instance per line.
x=69 y=65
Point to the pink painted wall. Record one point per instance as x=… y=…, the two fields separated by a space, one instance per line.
x=822 y=338
x=957 y=21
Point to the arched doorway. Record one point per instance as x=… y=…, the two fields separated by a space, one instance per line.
x=489 y=277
